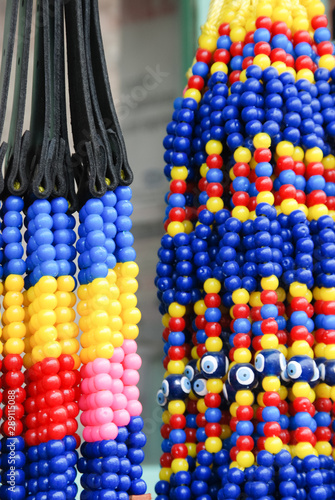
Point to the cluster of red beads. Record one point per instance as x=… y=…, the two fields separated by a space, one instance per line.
x=13 y=395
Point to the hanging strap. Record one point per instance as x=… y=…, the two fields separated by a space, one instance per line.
x=100 y=87
x=16 y=178
x=90 y=159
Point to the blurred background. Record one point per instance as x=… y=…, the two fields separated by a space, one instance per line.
x=149 y=46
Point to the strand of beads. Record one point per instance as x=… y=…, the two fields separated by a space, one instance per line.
x=13 y=481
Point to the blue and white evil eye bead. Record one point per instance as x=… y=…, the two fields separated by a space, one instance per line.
x=270 y=362
x=199 y=386
x=228 y=392
x=191 y=369
x=243 y=376
x=161 y=399
x=176 y=387
x=214 y=364
x=327 y=372
x=302 y=369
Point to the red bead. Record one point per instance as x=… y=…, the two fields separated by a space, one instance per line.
x=259 y=412
x=269 y=325
x=241 y=340
x=12 y=362
x=287 y=191
x=12 y=427
x=261 y=443
x=252 y=203
x=244 y=412
x=319 y=22
x=50 y=366
x=269 y=297
x=67 y=377
x=236 y=48
x=68 y=395
x=264 y=22
x=271 y=398
x=200 y=322
x=285 y=163
x=66 y=362
x=214 y=161
x=299 y=168
x=316 y=197
x=247 y=61
x=31 y=437
x=328 y=337
x=203 y=55
x=299 y=332
x=56 y=431
x=323 y=404
x=233 y=453
x=165 y=431
x=323 y=434
x=176 y=353
x=325 y=48
x=262 y=48
x=241 y=169
x=234 y=76
x=179 y=450
x=196 y=82
x=54 y=398
x=212 y=400
x=245 y=443
x=233 y=423
x=31 y=421
x=213 y=429
x=58 y=414
x=284 y=436
x=178 y=186
x=191 y=435
x=200 y=447
x=256 y=343
x=224 y=29
x=201 y=350
x=271 y=429
x=177 y=421
x=221 y=55
x=177 y=214
x=328 y=307
x=249 y=37
x=165 y=335
x=200 y=420
x=213 y=329
x=241 y=311
x=71 y=426
x=240 y=199
x=301 y=36
x=278 y=55
x=304 y=62
x=330 y=202
x=283 y=407
x=166 y=460
x=17 y=410
x=262 y=154
x=51 y=382
x=214 y=189
x=14 y=379
x=303 y=434
x=279 y=28
x=264 y=184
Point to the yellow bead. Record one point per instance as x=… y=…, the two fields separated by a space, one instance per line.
x=176 y=367
x=327 y=61
x=179 y=173
x=288 y=206
x=117 y=339
x=264 y=9
x=304 y=449
x=176 y=310
x=213 y=147
x=262 y=60
x=200 y=307
x=212 y=285
x=214 y=385
x=179 y=464
x=245 y=458
x=233 y=408
x=14 y=330
x=176 y=406
x=306 y=74
x=241 y=213
x=69 y=346
x=313 y=154
x=255 y=299
x=242 y=355
x=300 y=347
x=201 y=407
x=225 y=432
x=265 y=197
x=260 y=401
x=47 y=284
x=242 y=155
x=131 y=315
x=165 y=474
x=244 y=398
x=270 y=283
x=193 y=94
x=105 y=350
x=51 y=350
x=174 y=228
x=327 y=294
x=214 y=344
x=129 y=269
x=192 y=449
x=240 y=296
x=271 y=383
x=194 y=353
x=282 y=391
x=213 y=444
x=13 y=313
x=65 y=283
x=14 y=283
x=324 y=448
x=12 y=299
x=219 y=66
x=207 y=42
x=165 y=417
x=13 y=346
x=269 y=341
x=237 y=34
x=203 y=170
x=64 y=299
x=130 y=331
x=332 y=393
x=214 y=204
x=300 y=23
x=285 y=148
x=298 y=289
x=323 y=390
x=273 y=445
x=329 y=162
x=298 y=154
x=301 y=389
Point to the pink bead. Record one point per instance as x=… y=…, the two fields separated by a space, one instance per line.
x=82 y=370
x=96 y=432
x=130 y=377
x=91 y=401
x=116 y=370
x=103 y=416
x=108 y=431
x=103 y=398
x=129 y=346
x=87 y=434
x=134 y=408
x=89 y=370
x=85 y=386
x=131 y=392
x=83 y=402
x=100 y=365
x=120 y=402
x=121 y=418
x=117 y=386
x=132 y=361
x=83 y=419
x=91 y=385
x=102 y=381
x=118 y=355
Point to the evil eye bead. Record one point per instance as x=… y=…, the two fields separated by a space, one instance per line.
x=209 y=365
x=185 y=385
x=301 y=368
x=165 y=388
x=243 y=376
x=259 y=363
x=294 y=370
x=214 y=364
x=189 y=372
x=161 y=399
x=199 y=386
